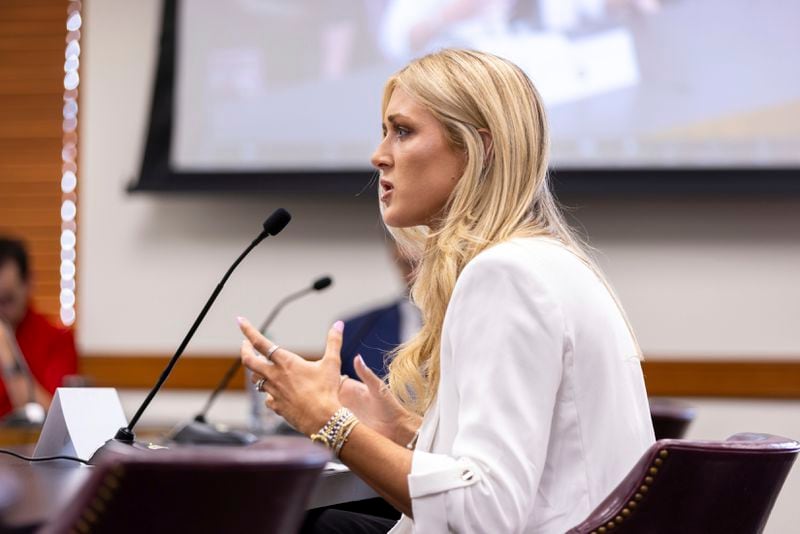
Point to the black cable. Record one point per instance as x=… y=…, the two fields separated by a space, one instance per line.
x=43 y=458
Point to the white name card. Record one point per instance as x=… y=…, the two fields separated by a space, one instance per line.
x=79 y=421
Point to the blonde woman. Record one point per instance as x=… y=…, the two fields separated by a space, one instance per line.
x=520 y=404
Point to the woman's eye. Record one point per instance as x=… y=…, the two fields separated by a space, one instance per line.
x=401 y=131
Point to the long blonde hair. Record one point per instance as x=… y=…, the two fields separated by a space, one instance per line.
x=502 y=193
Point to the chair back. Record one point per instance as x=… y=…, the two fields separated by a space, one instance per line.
x=262 y=488
x=670 y=418
x=703 y=487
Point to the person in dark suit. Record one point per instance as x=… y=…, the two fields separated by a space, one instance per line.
x=375 y=333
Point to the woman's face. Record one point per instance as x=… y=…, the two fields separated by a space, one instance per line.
x=418 y=167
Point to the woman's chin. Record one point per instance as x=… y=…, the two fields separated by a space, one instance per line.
x=394 y=221
x=395 y=217
x=389 y=216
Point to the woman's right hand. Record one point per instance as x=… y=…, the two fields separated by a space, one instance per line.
x=375 y=406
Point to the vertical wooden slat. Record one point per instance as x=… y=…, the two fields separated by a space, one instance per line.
x=32 y=59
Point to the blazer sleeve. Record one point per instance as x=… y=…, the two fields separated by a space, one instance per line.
x=505 y=333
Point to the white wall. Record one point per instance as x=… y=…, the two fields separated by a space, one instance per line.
x=697 y=277
x=709 y=278
x=149 y=262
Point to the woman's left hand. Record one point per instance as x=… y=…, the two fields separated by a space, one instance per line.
x=305 y=393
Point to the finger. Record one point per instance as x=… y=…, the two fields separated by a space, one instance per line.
x=353 y=392
x=342 y=380
x=255 y=363
x=333 y=346
x=370 y=379
x=282 y=357
x=269 y=388
x=264 y=345
x=256 y=338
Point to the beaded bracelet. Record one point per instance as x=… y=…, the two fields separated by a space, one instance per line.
x=347 y=429
x=325 y=435
x=335 y=432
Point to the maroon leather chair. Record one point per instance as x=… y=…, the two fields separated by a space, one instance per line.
x=263 y=488
x=698 y=487
x=671 y=418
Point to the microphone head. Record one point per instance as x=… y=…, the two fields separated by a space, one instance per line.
x=277 y=221
x=322 y=283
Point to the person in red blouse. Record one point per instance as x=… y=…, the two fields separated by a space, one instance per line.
x=28 y=338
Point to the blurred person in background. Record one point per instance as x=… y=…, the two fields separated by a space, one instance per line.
x=375 y=333
x=30 y=345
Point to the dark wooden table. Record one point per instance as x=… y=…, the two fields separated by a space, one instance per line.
x=45 y=489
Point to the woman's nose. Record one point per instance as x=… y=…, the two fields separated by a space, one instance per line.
x=380 y=158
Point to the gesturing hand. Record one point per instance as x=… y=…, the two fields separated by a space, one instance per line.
x=375 y=406
x=302 y=392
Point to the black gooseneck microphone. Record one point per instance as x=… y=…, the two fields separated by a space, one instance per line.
x=199 y=431
x=272 y=226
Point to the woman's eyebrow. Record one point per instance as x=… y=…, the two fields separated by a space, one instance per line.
x=394 y=116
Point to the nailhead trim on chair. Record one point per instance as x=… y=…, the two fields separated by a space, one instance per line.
x=637 y=497
x=105 y=492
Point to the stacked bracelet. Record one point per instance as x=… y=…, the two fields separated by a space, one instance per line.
x=335 y=432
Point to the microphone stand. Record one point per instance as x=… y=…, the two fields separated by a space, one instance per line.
x=125 y=435
x=32 y=413
x=199 y=430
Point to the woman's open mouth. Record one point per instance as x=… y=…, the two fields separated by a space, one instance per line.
x=386 y=189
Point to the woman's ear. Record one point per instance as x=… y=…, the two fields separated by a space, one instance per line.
x=486 y=137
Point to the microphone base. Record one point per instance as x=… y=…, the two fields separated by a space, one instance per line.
x=202 y=433
x=29 y=416
x=117 y=448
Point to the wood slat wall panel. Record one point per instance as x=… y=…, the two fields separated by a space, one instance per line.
x=27 y=199
x=18 y=151
x=36 y=11
x=26 y=128
x=41 y=217
x=28 y=196
x=13 y=44
x=39 y=11
x=33 y=173
x=29 y=107
x=38 y=88
x=32 y=41
x=42 y=21
x=27 y=76
x=31 y=63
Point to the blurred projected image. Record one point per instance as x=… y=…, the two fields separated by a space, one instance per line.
x=544 y=41
x=295 y=84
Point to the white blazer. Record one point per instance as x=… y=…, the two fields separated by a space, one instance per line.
x=541 y=408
